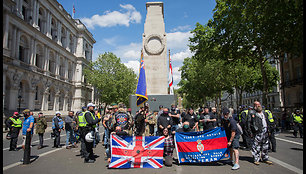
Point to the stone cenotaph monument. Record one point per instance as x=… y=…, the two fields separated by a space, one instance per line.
x=154 y=46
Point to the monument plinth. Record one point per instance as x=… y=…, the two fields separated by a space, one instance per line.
x=154 y=48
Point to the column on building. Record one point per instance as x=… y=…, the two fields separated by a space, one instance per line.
x=31 y=100
x=6 y=30
x=57 y=65
x=59 y=33
x=35 y=14
x=33 y=50
x=17 y=43
x=56 y=100
x=67 y=40
x=44 y=103
x=48 y=25
x=46 y=62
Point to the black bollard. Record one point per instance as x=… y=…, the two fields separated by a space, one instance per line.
x=27 y=149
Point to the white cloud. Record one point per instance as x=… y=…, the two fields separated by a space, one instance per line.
x=178 y=40
x=134 y=65
x=131 y=51
x=181 y=28
x=111 y=41
x=109 y=19
x=176 y=74
x=180 y=56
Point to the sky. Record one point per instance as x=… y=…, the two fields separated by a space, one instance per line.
x=118 y=25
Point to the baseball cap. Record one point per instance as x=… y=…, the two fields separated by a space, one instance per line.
x=26 y=110
x=57 y=113
x=225 y=111
x=16 y=113
x=90 y=104
x=161 y=106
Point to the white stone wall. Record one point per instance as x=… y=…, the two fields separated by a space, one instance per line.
x=30 y=50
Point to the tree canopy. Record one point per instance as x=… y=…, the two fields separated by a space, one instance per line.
x=113 y=80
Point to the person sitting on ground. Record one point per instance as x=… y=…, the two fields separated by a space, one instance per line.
x=168 y=147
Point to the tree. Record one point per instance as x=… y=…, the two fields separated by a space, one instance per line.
x=114 y=81
x=254 y=29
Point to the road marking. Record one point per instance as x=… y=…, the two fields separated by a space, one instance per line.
x=34 y=142
x=288 y=166
x=40 y=155
x=289 y=141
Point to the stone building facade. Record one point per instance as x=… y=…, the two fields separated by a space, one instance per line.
x=44 y=53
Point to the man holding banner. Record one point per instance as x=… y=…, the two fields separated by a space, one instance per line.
x=233 y=135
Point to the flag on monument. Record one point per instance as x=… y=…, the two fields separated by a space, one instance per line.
x=204 y=146
x=141 y=91
x=170 y=76
x=136 y=151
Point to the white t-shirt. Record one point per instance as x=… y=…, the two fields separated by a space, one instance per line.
x=262 y=116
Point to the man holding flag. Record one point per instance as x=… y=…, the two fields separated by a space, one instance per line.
x=141 y=91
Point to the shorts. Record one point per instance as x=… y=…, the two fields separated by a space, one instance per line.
x=24 y=139
x=235 y=143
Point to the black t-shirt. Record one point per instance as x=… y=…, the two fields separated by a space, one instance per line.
x=192 y=119
x=229 y=126
x=175 y=120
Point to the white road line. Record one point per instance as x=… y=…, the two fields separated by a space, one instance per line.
x=33 y=142
x=288 y=166
x=40 y=155
x=289 y=141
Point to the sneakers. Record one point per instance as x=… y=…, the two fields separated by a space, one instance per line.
x=89 y=161
x=68 y=147
x=256 y=163
x=235 y=167
x=268 y=162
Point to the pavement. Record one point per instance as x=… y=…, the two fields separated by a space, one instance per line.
x=288 y=159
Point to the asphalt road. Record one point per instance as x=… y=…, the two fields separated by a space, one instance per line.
x=287 y=159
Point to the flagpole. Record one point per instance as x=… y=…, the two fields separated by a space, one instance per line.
x=169 y=73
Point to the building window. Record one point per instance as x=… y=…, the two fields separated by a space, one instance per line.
x=21 y=53
x=298 y=72
x=287 y=77
x=36 y=93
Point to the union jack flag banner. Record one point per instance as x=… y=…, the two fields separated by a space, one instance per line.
x=136 y=151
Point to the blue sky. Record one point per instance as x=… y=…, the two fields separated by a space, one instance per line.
x=117 y=26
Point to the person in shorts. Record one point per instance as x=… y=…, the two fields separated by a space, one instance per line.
x=233 y=134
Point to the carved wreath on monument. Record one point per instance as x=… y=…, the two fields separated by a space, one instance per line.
x=154 y=44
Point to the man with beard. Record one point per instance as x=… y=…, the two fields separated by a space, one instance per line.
x=258 y=125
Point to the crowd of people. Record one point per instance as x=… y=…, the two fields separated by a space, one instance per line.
x=255 y=124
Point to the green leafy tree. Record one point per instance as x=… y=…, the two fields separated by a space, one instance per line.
x=114 y=81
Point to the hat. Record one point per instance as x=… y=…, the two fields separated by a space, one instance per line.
x=16 y=113
x=40 y=113
x=26 y=110
x=297 y=110
x=200 y=110
x=115 y=107
x=129 y=109
x=90 y=104
x=57 y=113
x=225 y=111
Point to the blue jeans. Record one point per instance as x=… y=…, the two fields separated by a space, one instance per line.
x=106 y=136
x=70 y=137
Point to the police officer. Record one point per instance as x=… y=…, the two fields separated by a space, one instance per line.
x=246 y=139
x=272 y=127
x=89 y=121
x=14 y=124
x=80 y=127
x=297 y=118
x=57 y=126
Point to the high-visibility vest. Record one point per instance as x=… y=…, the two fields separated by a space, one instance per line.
x=246 y=113
x=82 y=120
x=297 y=118
x=16 y=122
x=270 y=116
